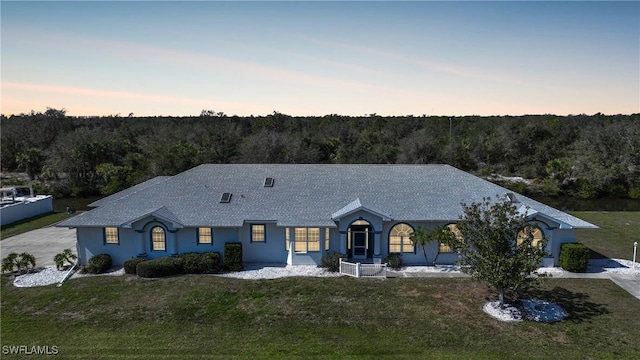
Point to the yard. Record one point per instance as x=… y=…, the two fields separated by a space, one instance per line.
x=210 y=316
x=192 y=316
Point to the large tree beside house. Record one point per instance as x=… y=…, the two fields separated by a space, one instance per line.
x=496 y=244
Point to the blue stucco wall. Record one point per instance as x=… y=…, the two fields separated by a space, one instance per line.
x=136 y=239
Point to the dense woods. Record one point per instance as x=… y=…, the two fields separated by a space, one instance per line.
x=577 y=155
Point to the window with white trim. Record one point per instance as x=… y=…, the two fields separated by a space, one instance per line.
x=326 y=239
x=204 y=236
x=399 y=239
x=287 y=239
x=111 y=235
x=306 y=239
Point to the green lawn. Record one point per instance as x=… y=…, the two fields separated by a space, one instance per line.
x=615 y=237
x=33 y=223
x=196 y=316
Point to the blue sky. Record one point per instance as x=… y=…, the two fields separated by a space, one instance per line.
x=318 y=58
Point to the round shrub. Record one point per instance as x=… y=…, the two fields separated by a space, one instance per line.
x=394 y=261
x=130 y=265
x=98 y=264
x=331 y=262
x=165 y=266
x=574 y=257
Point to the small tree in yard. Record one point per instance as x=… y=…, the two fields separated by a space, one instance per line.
x=422 y=237
x=65 y=256
x=490 y=249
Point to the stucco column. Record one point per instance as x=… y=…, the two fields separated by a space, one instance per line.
x=142 y=248
x=173 y=240
x=377 y=258
x=343 y=242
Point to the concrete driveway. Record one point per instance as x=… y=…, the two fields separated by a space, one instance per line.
x=631 y=283
x=43 y=243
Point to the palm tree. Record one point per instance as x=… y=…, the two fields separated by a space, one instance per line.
x=65 y=256
x=423 y=237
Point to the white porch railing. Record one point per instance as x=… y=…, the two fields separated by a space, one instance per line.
x=363 y=270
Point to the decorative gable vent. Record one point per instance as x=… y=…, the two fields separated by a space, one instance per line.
x=268 y=182
x=226 y=197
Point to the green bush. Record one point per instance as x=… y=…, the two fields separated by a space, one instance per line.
x=394 y=261
x=98 y=264
x=200 y=263
x=165 y=266
x=131 y=264
x=331 y=262
x=233 y=256
x=574 y=257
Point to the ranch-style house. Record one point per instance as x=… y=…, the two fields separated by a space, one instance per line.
x=295 y=214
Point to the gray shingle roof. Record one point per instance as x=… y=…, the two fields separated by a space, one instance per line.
x=303 y=195
x=129 y=191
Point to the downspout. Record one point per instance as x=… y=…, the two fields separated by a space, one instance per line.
x=67 y=275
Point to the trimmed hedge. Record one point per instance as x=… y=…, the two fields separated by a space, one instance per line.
x=165 y=266
x=331 y=262
x=233 y=256
x=98 y=264
x=394 y=261
x=574 y=257
x=188 y=263
x=130 y=265
x=200 y=263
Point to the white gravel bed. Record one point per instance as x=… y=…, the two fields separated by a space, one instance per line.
x=612 y=266
x=431 y=269
x=532 y=309
x=507 y=313
x=50 y=275
x=276 y=271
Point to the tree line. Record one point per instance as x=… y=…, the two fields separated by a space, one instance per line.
x=586 y=156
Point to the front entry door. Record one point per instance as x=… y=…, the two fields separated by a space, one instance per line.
x=359 y=244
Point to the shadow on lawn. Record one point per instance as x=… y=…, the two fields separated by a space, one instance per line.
x=577 y=305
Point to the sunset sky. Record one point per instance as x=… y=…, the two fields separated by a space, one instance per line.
x=318 y=58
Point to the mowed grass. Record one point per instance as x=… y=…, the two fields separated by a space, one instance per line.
x=615 y=237
x=32 y=223
x=405 y=318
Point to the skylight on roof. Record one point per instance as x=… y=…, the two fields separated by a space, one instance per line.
x=268 y=182
x=512 y=197
x=226 y=197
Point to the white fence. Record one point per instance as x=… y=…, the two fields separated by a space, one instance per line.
x=363 y=270
x=41 y=204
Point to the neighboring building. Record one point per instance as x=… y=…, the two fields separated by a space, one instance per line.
x=20 y=202
x=297 y=213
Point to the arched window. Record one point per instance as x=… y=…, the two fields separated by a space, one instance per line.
x=399 y=239
x=158 y=239
x=444 y=248
x=537 y=235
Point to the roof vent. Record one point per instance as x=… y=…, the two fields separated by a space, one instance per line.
x=512 y=197
x=226 y=197
x=268 y=182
